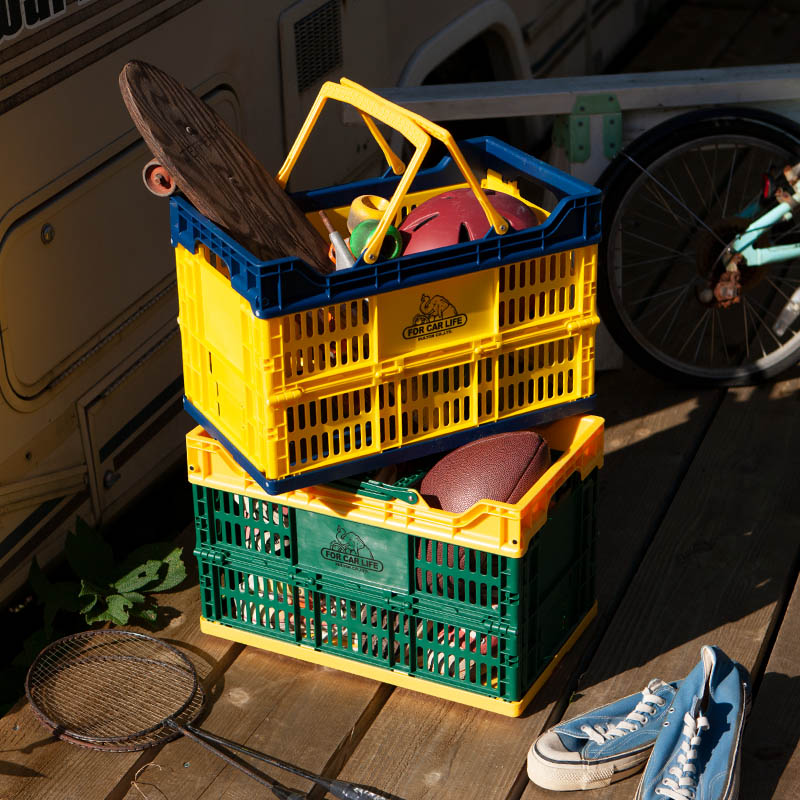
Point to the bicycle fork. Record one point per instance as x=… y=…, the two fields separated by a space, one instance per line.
x=742 y=252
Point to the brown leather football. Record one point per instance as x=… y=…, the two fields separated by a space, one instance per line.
x=500 y=467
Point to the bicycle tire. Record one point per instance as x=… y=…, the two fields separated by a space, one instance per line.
x=758 y=140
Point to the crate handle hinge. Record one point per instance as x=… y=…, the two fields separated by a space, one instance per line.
x=486 y=346
x=573 y=326
x=209 y=554
x=501 y=628
x=284 y=398
x=389 y=371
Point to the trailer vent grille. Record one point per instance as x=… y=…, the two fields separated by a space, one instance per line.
x=318 y=43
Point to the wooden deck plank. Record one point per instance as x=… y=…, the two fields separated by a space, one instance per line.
x=439 y=749
x=35 y=766
x=771 y=766
x=298 y=712
x=721 y=562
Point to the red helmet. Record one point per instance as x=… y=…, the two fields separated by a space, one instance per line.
x=456 y=216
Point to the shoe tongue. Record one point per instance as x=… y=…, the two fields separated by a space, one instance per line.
x=694 y=711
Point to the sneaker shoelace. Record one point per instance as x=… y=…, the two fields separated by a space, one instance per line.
x=636 y=719
x=685 y=771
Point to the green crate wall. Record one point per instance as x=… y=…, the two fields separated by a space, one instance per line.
x=450 y=614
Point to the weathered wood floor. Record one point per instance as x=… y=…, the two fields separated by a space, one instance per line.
x=700 y=543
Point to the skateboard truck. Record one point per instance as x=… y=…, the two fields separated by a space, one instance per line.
x=157 y=179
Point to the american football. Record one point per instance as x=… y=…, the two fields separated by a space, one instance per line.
x=500 y=467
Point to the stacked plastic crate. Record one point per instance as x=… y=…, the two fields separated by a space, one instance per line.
x=304 y=385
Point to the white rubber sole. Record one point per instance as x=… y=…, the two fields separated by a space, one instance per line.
x=565 y=777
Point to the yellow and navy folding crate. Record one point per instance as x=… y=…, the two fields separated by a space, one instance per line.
x=307 y=377
x=476 y=607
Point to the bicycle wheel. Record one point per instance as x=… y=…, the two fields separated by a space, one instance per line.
x=673 y=200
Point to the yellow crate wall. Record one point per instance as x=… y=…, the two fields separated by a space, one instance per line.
x=318 y=387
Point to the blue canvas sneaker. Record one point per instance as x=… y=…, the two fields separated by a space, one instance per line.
x=698 y=753
x=603 y=745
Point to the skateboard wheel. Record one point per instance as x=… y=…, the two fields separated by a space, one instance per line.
x=157 y=179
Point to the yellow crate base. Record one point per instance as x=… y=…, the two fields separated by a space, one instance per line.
x=494 y=704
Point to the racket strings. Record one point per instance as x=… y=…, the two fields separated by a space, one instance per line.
x=112 y=686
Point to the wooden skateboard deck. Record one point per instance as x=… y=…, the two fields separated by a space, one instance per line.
x=216 y=171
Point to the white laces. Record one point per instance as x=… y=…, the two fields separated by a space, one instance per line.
x=636 y=719
x=685 y=771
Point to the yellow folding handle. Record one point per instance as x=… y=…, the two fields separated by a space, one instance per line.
x=415 y=128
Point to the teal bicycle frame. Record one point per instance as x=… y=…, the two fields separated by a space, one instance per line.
x=743 y=245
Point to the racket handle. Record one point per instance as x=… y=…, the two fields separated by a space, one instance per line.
x=275 y=787
x=344 y=790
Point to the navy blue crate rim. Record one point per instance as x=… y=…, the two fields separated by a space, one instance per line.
x=405 y=453
x=287 y=285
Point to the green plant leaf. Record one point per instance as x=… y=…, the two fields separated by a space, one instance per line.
x=89 y=594
x=134 y=597
x=89 y=554
x=138 y=577
x=175 y=571
x=116 y=611
x=146 y=613
x=171 y=568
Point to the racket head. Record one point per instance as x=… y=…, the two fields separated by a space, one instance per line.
x=113 y=690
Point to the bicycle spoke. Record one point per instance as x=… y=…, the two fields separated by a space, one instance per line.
x=763 y=322
x=694 y=183
x=722 y=336
x=691 y=213
x=745 y=184
x=778 y=289
x=693 y=190
x=746 y=337
x=643 y=262
x=730 y=181
x=660 y=201
x=629 y=282
x=641 y=300
x=711 y=345
x=706 y=316
x=657 y=244
x=675 y=188
x=781 y=236
x=691 y=333
x=711 y=174
x=662 y=221
x=677 y=303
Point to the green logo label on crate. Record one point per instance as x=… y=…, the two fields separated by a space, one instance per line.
x=349 y=550
x=437 y=316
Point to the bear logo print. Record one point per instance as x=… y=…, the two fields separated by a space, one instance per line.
x=350 y=551
x=436 y=316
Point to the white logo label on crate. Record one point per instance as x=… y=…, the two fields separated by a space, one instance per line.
x=437 y=316
x=349 y=550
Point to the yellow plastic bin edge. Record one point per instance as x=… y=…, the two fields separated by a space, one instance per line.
x=485 y=526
